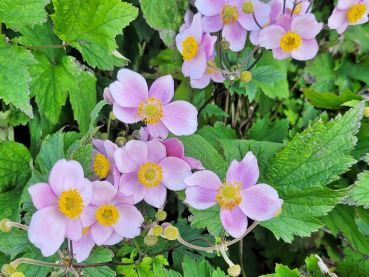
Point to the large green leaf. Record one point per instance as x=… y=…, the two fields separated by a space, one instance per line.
x=322 y=70
x=262 y=130
x=283 y=271
x=219 y=131
x=99 y=255
x=362 y=146
x=354 y=264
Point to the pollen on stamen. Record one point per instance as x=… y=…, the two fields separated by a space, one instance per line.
x=356 y=13
x=228 y=195
x=229 y=14
x=150 y=111
x=71 y=203
x=290 y=42
x=190 y=48
x=107 y=215
x=101 y=165
x=150 y=174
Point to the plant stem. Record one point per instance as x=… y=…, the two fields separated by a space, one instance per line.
x=294 y=7
x=256 y=61
x=247 y=231
x=30 y=261
x=211 y=98
x=71 y=253
x=224 y=254
x=284 y=5
x=311 y=4
x=194 y=246
x=248 y=58
x=44 y=46
x=241 y=258
x=101 y=264
x=220 y=70
x=18 y=225
x=257 y=23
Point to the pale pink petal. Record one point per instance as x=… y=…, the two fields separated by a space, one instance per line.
x=180 y=117
x=130 y=220
x=306 y=26
x=82 y=248
x=158 y=130
x=245 y=172
x=174 y=172
x=110 y=148
x=197 y=65
x=207 y=44
x=99 y=144
x=346 y=4
x=73 y=229
x=217 y=77
x=130 y=157
x=343 y=27
x=276 y=10
x=42 y=195
x=247 y=21
x=103 y=193
x=163 y=89
x=308 y=50
x=210 y=7
x=260 y=202
x=85 y=189
x=196 y=28
x=212 y=24
x=174 y=148
x=279 y=54
x=144 y=134
x=363 y=20
x=130 y=185
x=254 y=37
x=285 y=22
x=100 y=233
x=201 y=189
x=188 y=17
x=193 y=163
x=88 y=216
x=157 y=151
x=47 y=230
x=116 y=178
x=236 y=35
x=186 y=68
x=270 y=37
x=262 y=12
x=126 y=115
x=156 y=196
x=201 y=83
x=114 y=239
x=237 y=3
x=120 y=198
x=108 y=96
x=234 y=221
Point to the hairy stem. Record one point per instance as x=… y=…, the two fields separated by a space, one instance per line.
x=248 y=58
x=101 y=264
x=194 y=246
x=253 y=225
x=30 y=261
x=220 y=70
x=224 y=254
x=18 y=225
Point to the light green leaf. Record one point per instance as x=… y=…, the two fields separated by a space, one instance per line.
x=17 y=117
x=312 y=263
x=362 y=146
x=219 y=273
x=359 y=33
x=355 y=70
x=99 y=255
x=283 y=271
x=267 y=75
x=322 y=70
x=219 y=131
x=211 y=109
x=95 y=113
x=169 y=62
x=208 y=218
x=171 y=273
x=354 y=264
x=83 y=156
x=6 y=130
x=157 y=266
x=192 y=268
x=143 y=270
x=262 y=130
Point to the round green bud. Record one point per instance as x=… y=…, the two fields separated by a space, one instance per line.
x=248 y=7
x=112 y=116
x=234 y=270
x=17 y=274
x=224 y=45
x=246 y=76
x=3 y=225
x=366 y=112
x=8 y=270
x=104 y=136
x=157 y=231
x=120 y=141
x=130 y=138
x=171 y=233
x=151 y=240
x=161 y=215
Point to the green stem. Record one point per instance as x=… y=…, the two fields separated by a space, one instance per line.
x=30 y=261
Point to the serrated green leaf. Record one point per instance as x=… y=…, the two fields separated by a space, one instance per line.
x=283 y=271
x=95 y=113
x=312 y=263
x=208 y=218
x=359 y=33
x=354 y=264
x=83 y=156
x=262 y=130
x=355 y=70
x=6 y=130
x=362 y=146
x=359 y=195
x=267 y=75
x=17 y=117
x=219 y=273
x=170 y=62
x=192 y=268
x=219 y=131
x=19 y=242
x=322 y=70
x=71 y=138
x=157 y=265
x=211 y=109
x=99 y=255
x=171 y=273
x=143 y=270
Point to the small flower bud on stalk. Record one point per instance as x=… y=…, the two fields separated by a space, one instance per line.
x=3 y=225
x=8 y=270
x=248 y=7
x=234 y=270
x=151 y=240
x=171 y=233
x=18 y=274
x=104 y=136
x=366 y=112
x=120 y=141
x=224 y=45
x=161 y=215
x=130 y=138
x=112 y=116
x=157 y=231
x=246 y=76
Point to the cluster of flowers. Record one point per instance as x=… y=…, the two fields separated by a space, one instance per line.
x=101 y=210
x=287 y=27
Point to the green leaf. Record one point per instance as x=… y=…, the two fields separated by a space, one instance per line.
x=143 y=270
x=218 y=273
x=14 y=75
x=36 y=270
x=193 y=268
x=312 y=263
x=15 y=13
x=6 y=130
x=262 y=130
x=359 y=33
x=300 y=172
x=99 y=255
x=71 y=138
x=83 y=156
x=169 y=62
x=283 y=271
x=354 y=264
x=17 y=117
x=171 y=273
x=359 y=195
x=19 y=242
x=322 y=70
x=219 y=131
x=355 y=70
x=362 y=146
x=211 y=109
x=267 y=75
x=95 y=113
x=91 y=28
x=208 y=218
x=157 y=266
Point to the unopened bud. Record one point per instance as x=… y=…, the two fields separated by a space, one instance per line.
x=224 y=45
x=246 y=76
x=161 y=215
x=104 y=136
x=151 y=240
x=3 y=226
x=108 y=96
x=157 y=231
x=278 y=212
x=130 y=138
x=366 y=112
x=17 y=274
x=8 y=270
x=234 y=270
x=121 y=141
x=171 y=233
x=112 y=116
x=248 y=7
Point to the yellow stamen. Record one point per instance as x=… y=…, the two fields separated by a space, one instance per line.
x=85 y=231
x=71 y=203
x=150 y=174
x=151 y=111
x=107 y=215
x=267 y=24
x=190 y=48
x=229 y=14
x=290 y=42
x=298 y=9
x=211 y=70
x=101 y=165
x=228 y=195
x=356 y=13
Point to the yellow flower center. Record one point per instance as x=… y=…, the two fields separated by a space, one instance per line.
x=71 y=203
x=229 y=14
x=150 y=174
x=228 y=195
x=190 y=48
x=290 y=42
x=107 y=215
x=356 y=13
x=211 y=70
x=150 y=110
x=101 y=165
x=85 y=231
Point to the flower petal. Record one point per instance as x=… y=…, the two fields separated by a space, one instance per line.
x=156 y=151
x=126 y=115
x=201 y=83
x=285 y=22
x=163 y=89
x=279 y=54
x=99 y=144
x=196 y=28
x=73 y=229
x=308 y=50
x=103 y=193
x=343 y=27
x=114 y=239
x=193 y=163
x=120 y=198
x=110 y=148
x=234 y=221
x=174 y=172
x=210 y=7
x=197 y=65
x=217 y=77
x=130 y=185
x=158 y=130
x=82 y=248
x=186 y=68
x=245 y=172
x=156 y=196
x=236 y=35
x=42 y=196
x=130 y=220
x=306 y=26
x=207 y=44
x=100 y=233
x=130 y=157
x=254 y=37
x=88 y=216
x=270 y=37
x=212 y=24
x=346 y=4
x=174 y=148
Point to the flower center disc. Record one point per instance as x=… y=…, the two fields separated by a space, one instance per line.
x=290 y=42
x=85 y=231
x=107 y=215
x=228 y=195
x=229 y=14
x=101 y=165
x=151 y=111
x=356 y=13
x=190 y=48
x=150 y=174
x=71 y=203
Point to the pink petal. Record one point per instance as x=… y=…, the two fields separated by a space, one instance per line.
x=346 y=4
x=237 y=3
x=196 y=28
x=163 y=89
x=157 y=151
x=308 y=50
x=88 y=216
x=260 y=202
x=182 y=37
x=212 y=24
x=207 y=44
x=156 y=196
x=180 y=117
x=343 y=27
x=47 y=230
x=174 y=148
x=73 y=229
x=285 y=22
x=107 y=96
x=129 y=224
x=116 y=176
x=306 y=26
x=103 y=193
x=114 y=239
x=82 y=248
x=126 y=115
x=201 y=189
x=110 y=148
x=42 y=195
x=193 y=163
x=279 y=54
x=210 y=7
x=130 y=157
x=158 y=130
x=120 y=198
x=100 y=233
x=201 y=83
x=234 y=221
x=217 y=77
x=99 y=144
x=236 y=35
x=270 y=37
x=197 y=65
x=245 y=172
x=174 y=172
x=276 y=10
x=144 y=134
x=262 y=12
x=130 y=185
x=254 y=37
x=188 y=17
x=186 y=68
x=85 y=189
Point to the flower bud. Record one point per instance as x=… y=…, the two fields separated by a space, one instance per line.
x=130 y=138
x=107 y=96
x=17 y=274
x=234 y=270
x=278 y=212
x=151 y=240
x=246 y=76
x=104 y=136
x=157 y=231
x=8 y=270
x=224 y=45
x=161 y=215
x=171 y=233
x=112 y=116
x=3 y=226
x=248 y=7
x=366 y=112
x=120 y=141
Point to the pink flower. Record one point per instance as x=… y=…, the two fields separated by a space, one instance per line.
x=228 y=15
x=292 y=37
x=195 y=49
x=188 y=18
x=111 y=215
x=107 y=96
x=300 y=8
x=148 y=172
x=60 y=204
x=238 y=197
x=145 y=135
x=133 y=102
x=103 y=163
x=348 y=12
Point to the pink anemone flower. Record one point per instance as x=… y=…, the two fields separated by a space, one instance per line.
x=188 y=18
x=148 y=172
x=134 y=102
x=292 y=37
x=348 y=12
x=228 y=15
x=111 y=215
x=195 y=49
x=239 y=197
x=103 y=163
x=60 y=204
